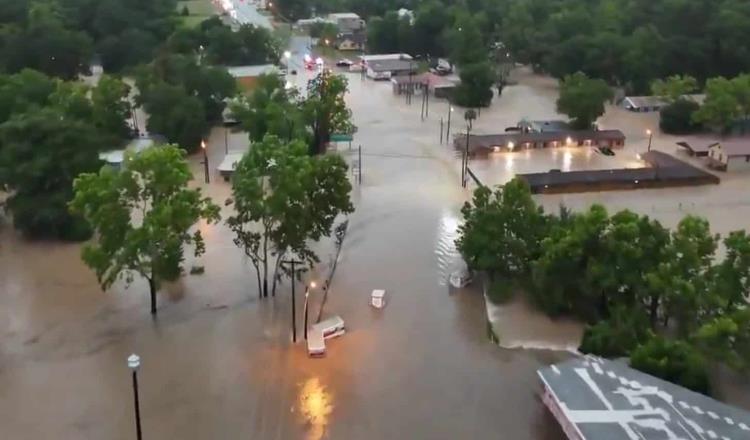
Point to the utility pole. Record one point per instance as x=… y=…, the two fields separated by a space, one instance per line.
x=134 y=362
x=441 y=131
x=465 y=170
x=294 y=301
x=359 y=175
x=226 y=139
x=448 y=130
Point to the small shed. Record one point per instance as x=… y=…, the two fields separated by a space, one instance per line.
x=733 y=155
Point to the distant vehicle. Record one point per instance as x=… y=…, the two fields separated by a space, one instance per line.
x=512 y=129
x=460 y=279
x=344 y=62
x=294 y=71
x=606 y=151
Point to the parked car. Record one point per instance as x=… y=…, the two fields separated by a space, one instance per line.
x=606 y=151
x=294 y=71
x=344 y=62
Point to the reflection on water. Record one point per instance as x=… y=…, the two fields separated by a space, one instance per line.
x=567 y=159
x=448 y=258
x=316 y=405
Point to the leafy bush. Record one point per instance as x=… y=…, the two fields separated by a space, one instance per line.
x=501 y=291
x=616 y=337
x=677 y=118
x=674 y=361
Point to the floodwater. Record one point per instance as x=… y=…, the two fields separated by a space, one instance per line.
x=218 y=363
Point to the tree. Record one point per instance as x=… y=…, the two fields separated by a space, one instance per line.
x=675 y=87
x=624 y=331
x=683 y=274
x=727 y=339
x=673 y=361
x=284 y=199
x=111 y=107
x=727 y=101
x=475 y=89
x=42 y=151
x=325 y=110
x=143 y=217
x=501 y=230
x=174 y=114
x=465 y=42
x=270 y=108
x=677 y=117
x=731 y=277
x=324 y=31
x=582 y=99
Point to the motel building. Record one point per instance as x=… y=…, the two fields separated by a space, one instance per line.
x=599 y=399
x=729 y=156
x=483 y=145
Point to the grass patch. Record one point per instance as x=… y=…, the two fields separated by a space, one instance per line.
x=197 y=7
x=501 y=291
x=200 y=11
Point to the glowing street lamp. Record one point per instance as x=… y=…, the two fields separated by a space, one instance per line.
x=650 y=136
x=134 y=362
x=511 y=146
x=205 y=161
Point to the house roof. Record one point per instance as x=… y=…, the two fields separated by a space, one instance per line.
x=490 y=141
x=354 y=37
x=336 y=15
x=391 y=65
x=434 y=81
x=252 y=71
x=385 y=56
x=733 y=147
x=606 y=399
x=658 y=101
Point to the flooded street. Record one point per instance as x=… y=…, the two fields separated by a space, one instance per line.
x=218 y=363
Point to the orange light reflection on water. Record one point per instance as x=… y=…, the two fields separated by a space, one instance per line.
x=316 y=405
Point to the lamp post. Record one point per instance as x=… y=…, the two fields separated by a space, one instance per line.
x=133 y=363
x=307 y=296
x=294 y=310
x=650 y=136
x=448 y=130
x=205 y=161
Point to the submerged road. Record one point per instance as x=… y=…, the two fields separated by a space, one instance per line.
x=218 y=362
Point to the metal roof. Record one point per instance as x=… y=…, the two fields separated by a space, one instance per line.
x=391 y=65
x=733 y=147
x=252 y=71
x=607 y=400
x=489 y=141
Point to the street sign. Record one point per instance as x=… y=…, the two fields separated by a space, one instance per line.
x=341 y=137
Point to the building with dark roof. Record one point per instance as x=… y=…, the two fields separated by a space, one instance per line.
x=661 y=171
x=388 y=68
x=599 y=399
x=482 y=145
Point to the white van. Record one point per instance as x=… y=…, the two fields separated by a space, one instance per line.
x=331 y=327
x=316 y=346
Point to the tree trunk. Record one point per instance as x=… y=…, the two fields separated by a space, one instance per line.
x=654 y=308
x=275 y=274
x=265 y=265
x=152 y=288
x=257 y=274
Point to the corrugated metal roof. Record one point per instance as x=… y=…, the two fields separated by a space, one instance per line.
x=252 y=71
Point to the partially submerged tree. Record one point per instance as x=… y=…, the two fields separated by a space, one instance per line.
x=475 y=89
x=325 y=109
x=582 y=99
x=675 y=87
x=143 y=216
x=284 y=199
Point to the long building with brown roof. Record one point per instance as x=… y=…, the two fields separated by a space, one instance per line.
x=483 y=144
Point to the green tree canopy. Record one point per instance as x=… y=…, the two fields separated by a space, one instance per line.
x=143 y=216
x=42 y=151
x=284 y=199
x=475 y=89
x=582 y=99
x=325 y=109
x=674 y=87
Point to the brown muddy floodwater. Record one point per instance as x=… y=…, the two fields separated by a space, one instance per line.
x=218 y=363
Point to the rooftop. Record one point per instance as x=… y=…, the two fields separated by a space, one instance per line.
x=658 y=101
x=250 y=71
x=606 y=399
x=391 y=65
x=489 y=141
x=733 y=147
x=343 y=15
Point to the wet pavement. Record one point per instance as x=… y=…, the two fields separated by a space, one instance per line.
x=218 y=363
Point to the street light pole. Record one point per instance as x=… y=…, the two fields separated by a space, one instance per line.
x=205 y=161
x=650 y=136
x=307 y=296
x=133 y=363
x=448 y=130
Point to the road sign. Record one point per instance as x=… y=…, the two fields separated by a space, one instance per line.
x=341 y=137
